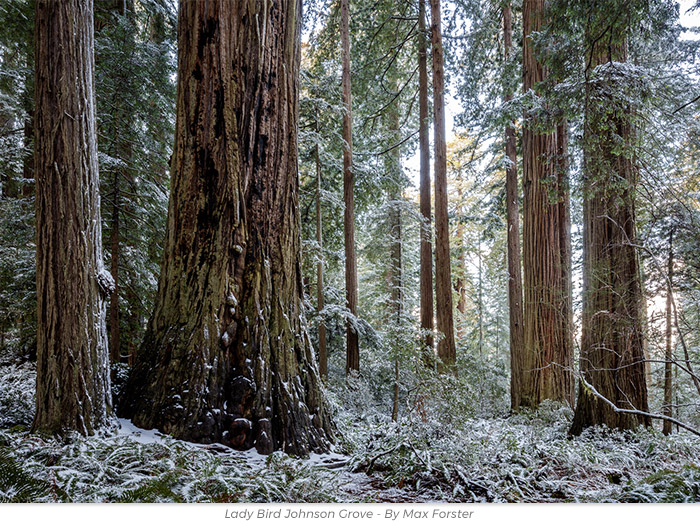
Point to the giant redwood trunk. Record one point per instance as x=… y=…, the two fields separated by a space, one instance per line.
x=226 y=356
x=547 y=359
x=515 y=280
x=612 y=331
x=73 y=387
x=443 y=280
x=426 y=235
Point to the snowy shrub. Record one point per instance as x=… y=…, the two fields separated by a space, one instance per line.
x=17 y=394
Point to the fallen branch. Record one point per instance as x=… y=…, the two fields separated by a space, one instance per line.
x=635 y=411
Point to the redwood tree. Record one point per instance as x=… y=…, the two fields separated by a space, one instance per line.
x=426 y=243
x=73 y=386
x=547 y=360
x=515 y=282
x=612 y=329
x=352 y=340
x=443 y=280
x=226 y=356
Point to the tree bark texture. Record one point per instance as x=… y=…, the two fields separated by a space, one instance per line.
x=547 y=360
x=443 y=280
x=351 y=292
x=612 y=338
x=73 y=384
x=515 y=282
x=226 y=356
x=426 y=240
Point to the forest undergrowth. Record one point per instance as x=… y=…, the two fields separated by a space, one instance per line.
x=446 y=450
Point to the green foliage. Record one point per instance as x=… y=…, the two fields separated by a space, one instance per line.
x=666 y=486
x=16 y=485
x=135 y=68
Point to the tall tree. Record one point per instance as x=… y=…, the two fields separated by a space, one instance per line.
x=352 y=342
x=73 y=385
x=668 y=354
x=118 y=145
x=322 y=350
x=443 y=280
x=226 y=356
x=515 y=283
x=426 y=239
x=547 y=361
x=612 y=330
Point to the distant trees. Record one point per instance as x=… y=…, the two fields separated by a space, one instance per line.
x=226 y=356
x=73 y=384
x=135 y=91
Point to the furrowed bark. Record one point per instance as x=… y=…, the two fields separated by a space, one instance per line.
x=73 y=384
x=547 y=358
x=612 y=339
x=226 y=356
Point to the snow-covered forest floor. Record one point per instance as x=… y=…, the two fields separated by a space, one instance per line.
x=430 y=454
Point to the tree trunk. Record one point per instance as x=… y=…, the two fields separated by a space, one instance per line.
x=515 y=285
x=565 y=306
x=121 y=118
x=73 y=385
x=322 y=350
x=461 y=281
x=668 y=372
x=226 y=356
x=481 y=297
x=612 y=337
x=547 y=357
x=443 y=280
x=114 y=298
x=353 y=344
x=395 y=256
x=426 y=248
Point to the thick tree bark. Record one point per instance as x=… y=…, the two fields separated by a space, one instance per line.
x=226 y=356
x=547 y=357
x=668 y=365
x=612 y=338
x=515 y=283
x=351 y=293
x=73 y=385
x=443 y=280
x=426 y=239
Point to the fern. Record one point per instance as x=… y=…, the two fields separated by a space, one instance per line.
x=17 y=485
